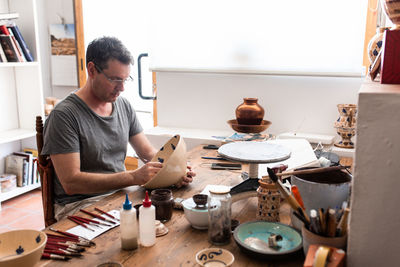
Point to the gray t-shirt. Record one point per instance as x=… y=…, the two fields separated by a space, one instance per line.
x=101 y=141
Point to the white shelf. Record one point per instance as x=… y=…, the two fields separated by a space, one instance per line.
x=15 y=135
x=18 y=64
x=7 y=16
x=18 y=191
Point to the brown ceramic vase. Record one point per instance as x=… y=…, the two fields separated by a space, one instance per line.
x=249 y=112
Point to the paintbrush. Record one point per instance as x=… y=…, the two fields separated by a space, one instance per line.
x=291 y=200
x=54 y=257
x=77 y=237
x=313 y=170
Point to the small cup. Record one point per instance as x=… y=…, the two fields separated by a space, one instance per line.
x=311 y=238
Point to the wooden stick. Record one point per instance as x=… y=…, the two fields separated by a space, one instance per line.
x=311 y=171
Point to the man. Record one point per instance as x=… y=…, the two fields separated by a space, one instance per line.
x=86 y=134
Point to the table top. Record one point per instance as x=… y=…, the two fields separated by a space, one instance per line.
x=180 y=245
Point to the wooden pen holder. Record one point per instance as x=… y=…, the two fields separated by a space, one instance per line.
x=312 y=238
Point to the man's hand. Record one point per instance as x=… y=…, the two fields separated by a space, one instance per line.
x=188 y=178
x=146 y=172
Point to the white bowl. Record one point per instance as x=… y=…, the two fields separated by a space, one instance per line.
x=198 y=218
x=21 y=248
x=173 y=157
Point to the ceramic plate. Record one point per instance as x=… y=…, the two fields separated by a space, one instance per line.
x=214 y=257
x=245 y=233
x=254 y=152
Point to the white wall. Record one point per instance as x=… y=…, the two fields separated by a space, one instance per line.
x=49 y=12
x=374 y=217
x=291 y=103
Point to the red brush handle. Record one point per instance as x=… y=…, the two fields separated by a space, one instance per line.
x=108 y=214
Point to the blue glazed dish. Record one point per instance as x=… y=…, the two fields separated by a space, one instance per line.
x=246 y=233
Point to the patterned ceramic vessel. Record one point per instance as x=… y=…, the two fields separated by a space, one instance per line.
x=269 y=200
x=249 y=112
x=392 y=10
x=214 y=257
x=346 y=133
x=173 y=157
x=348 y=115
x=21 y=248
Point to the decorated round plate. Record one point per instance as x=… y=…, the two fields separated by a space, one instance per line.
x=253 y=238
x=254 y=152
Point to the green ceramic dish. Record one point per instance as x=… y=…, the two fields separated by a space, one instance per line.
x=252 y=238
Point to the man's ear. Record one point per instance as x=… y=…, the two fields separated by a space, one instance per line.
x=91 y=69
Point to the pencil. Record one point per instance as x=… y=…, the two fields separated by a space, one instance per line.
x=297 y=195
x=342 y=225
x=331 y=226
x=322 y=220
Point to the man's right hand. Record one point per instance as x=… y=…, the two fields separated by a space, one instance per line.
x=146 y=172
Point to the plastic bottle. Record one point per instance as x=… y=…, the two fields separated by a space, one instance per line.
x=129 y=227
x=147 y=223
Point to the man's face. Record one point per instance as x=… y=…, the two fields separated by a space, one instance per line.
x=104 y=85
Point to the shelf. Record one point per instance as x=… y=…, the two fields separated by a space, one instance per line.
x=15 y=135
x=18 y=64
x=7 y=16
x=18 y=191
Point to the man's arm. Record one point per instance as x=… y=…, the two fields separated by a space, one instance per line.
x=142 y=146
x=67 y=167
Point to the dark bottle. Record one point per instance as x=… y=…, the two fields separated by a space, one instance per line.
x=163 y=201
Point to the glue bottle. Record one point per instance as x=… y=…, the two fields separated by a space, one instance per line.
x=129 y=227
x=147 y=223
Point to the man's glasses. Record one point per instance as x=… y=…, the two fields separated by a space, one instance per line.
x=114 y=81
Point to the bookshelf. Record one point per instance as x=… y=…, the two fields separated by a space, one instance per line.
x=21 y=89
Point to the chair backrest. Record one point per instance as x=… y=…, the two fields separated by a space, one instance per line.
x=46 y=172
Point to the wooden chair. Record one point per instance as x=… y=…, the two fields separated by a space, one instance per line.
x=46 y=172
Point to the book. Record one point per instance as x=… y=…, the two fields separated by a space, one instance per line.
x=21 y=41
x=4 y=30
x=29 y=168
x=3 y=57
x=21 y=55
x=9 y=48
x=15 y=165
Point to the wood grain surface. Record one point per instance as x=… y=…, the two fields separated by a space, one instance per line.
x=180 y=245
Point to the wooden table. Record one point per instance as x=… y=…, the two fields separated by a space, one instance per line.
x=180 y=245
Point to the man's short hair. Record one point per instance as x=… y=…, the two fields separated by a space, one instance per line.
x=102 y=49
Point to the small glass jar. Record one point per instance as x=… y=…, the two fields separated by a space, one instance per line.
x=163 y=202
x=219 y=215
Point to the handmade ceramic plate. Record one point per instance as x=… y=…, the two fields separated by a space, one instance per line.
x=173 y=157
x=243 y=128
x=214 y=257
x=252 y=238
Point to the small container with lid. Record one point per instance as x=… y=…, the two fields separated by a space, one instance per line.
x=147 y=223
x=129 y=227
x=163 y=202
x=219 y=215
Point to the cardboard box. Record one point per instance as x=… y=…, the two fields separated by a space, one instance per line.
x=8 y=182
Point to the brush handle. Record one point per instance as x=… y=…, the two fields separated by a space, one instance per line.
x=314 y=170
